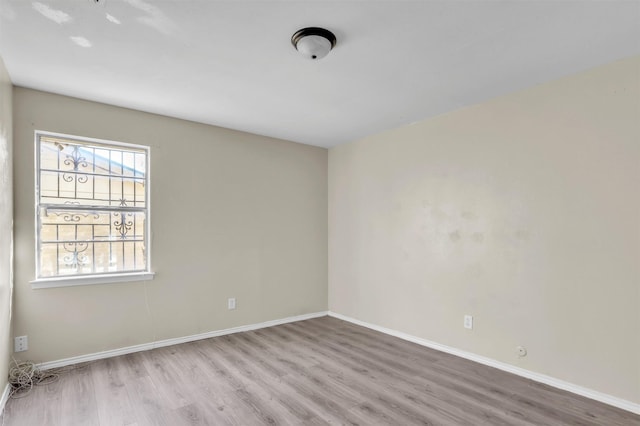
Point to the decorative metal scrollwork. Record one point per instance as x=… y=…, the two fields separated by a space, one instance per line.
x=77 y=161
x=123 y=225
x=74 y=217
x=75 y=257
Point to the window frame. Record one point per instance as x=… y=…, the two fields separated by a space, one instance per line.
x=91 y=278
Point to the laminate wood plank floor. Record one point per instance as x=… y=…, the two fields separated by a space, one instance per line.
x=315 y=372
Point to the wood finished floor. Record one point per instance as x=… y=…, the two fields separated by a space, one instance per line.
x=316 y=372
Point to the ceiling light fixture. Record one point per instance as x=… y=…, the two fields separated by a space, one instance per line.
x=313 y=42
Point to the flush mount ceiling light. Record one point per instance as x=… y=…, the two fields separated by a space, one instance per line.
x=313 y=42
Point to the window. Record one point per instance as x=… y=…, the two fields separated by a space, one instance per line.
x=92 y=218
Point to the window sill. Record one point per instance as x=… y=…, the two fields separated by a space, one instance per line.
x=88 y=280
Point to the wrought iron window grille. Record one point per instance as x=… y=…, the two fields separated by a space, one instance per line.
x=92 y=206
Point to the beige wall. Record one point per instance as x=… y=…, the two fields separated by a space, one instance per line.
x=233 y=215
x=6 y=223
x=522 y=211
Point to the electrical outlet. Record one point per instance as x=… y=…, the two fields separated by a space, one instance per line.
x=231 y=303
x=468 y=322
x=21 y=343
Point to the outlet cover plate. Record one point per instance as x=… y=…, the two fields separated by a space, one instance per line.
x=468 y=322
x=20 y=343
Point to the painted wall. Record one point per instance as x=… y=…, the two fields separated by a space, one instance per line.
x=6 y=223
x=233 y=215
x=523 y=212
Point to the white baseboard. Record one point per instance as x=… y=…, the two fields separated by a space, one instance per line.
x=548 y=380
x=175 y=341
x=4 y=398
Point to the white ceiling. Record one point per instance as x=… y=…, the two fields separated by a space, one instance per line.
x=231 y=63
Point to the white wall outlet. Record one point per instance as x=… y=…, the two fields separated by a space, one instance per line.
x=521 y=351
x=468 y=322
x=20 y=344
x=231 y=303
